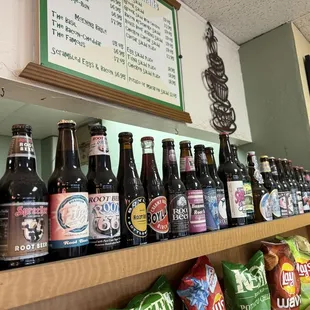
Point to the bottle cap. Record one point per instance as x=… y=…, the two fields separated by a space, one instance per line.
x=251 y=153
x=273 y=158
x=224 y=134
x=66 y=121
x=199 y=146
x=167 y=140
x=185 y=142
x=147 y=139
x=124 y=134
x=97 y=127
x=264 y=156
x=289 y=161
x=24 y=127
x=209 y=148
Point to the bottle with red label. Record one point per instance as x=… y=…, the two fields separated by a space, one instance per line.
x=194 y=193
x=157 y=211
x=67 y=186
x=104 y=212
x=23 y=205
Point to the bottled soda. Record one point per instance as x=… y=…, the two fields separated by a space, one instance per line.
x=67 y=187
x=131 y=195
x=157 y=212
x=220 y=193
x=302 y=189
x=298 y=187
x=104 y=212
x=231 y=177
x=176 y=193
x=306 y=193
x=208 y=187
x=307 y=176
x=194 y=193
x=23 y=205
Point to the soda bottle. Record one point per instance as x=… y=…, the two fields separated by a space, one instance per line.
x=306 y=195
x=302 y=189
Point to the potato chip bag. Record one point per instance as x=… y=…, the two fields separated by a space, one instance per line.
x=282 y=277
x=246 y=286
x=300 y=248
x=200 y=289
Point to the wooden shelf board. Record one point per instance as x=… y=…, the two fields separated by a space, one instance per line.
x=31 y=284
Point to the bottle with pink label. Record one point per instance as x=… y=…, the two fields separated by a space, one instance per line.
x=197 y=217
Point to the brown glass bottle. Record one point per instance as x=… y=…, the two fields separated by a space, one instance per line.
x=67 y=187
x=220 y=193
x=157 y=211
x=302 y=194
x=232 y=178
x=271 y=186
x=307 y=176
x=194 y=193
x=23 y=205
x=104 y=211
x=176 y=193
x=248 y=194
x=297 y=186
x=131 y=195
x=306 y=192
x=262 y=207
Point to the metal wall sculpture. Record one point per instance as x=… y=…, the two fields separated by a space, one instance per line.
x=215 y=79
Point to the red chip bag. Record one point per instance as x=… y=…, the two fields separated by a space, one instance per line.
x=200 y=289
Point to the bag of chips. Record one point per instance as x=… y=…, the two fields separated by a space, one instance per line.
x=160 y=296
x=200 y=289
x=300 y=249
x=246 y=286
x=282 y=277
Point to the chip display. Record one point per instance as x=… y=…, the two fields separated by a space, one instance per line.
x=160 y=296
x=246 y=286
x=282 y=277
x=200 y=289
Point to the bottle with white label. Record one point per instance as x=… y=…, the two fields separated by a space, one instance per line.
x=194 y=193
x=232 y=178
x=104 y=211
x=306 y=192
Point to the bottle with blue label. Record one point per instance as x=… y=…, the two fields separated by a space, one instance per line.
x=208 y=187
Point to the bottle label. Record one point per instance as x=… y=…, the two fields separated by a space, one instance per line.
x=290 y=204
x=306 y=201
x=202 y=158
x=221 y=202
x=197 y=211
x=157 y=215
x=265 y=166
x=171 y=156
x=295 y=201
x=178 y=208
x=104 y=219
x=69 y=226
x=135 y=217
x=274 y=203
x=98 y=146
x=211 y=209
x=300 y=203
x=23 y=230
x=187 y=164
x=248 y=197
x=283 y=201
x=21 y=146
x=265 y=207
x=236 y=199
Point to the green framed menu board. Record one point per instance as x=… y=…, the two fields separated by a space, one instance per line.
x=126 y=45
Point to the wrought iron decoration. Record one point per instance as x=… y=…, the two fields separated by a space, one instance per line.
x=215 y=79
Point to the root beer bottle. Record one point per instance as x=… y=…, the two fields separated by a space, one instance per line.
x=23 y=205
x=302 y=194
x=131 y=195
x=67 y=187
x=306 y=193
x=194 y=193
x=104 y=212
x=157 y=212
x=176 y=193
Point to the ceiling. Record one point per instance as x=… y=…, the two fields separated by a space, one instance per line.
x=243 y=20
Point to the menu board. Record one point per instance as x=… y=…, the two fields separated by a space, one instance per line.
x=127 y=45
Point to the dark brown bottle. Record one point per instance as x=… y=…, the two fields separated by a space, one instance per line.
x=67 y=187
x=194 y=193
x=23 y=205
x=220 y=193
x=286 y=189
x=248 y=194
x=232 y=178
x=131 y=195
x=263 y=210
x=104 y=211
x=208 y=187
x=302 y=194
x=307 y=176
x=157 y=211
x=306 y=192
x=271 y=186
x=297 y=186
x=176 y=193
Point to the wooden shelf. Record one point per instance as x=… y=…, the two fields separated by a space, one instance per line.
x=31 y=284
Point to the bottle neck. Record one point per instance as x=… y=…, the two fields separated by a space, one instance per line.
x=201 y=165
x=170 y=165
x=256 y=177
x=99 y=156
x=187 y=165
x=211 y=165
x=127 y=164
x=225 y=150
x=149 y=166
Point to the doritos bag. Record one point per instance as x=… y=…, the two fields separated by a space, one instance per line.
x=282 y=277
x=200 y=289
x=300 y=249
x=246 y=285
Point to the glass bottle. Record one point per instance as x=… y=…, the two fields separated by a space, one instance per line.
x=306 y=194
x=302 y=189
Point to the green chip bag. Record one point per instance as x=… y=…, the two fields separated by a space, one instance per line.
x=160 y=296
x=246 y=285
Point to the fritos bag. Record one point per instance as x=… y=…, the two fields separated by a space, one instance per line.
x=282 y=277
x=300 y=249
x=200 y=289
x=246 y=285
